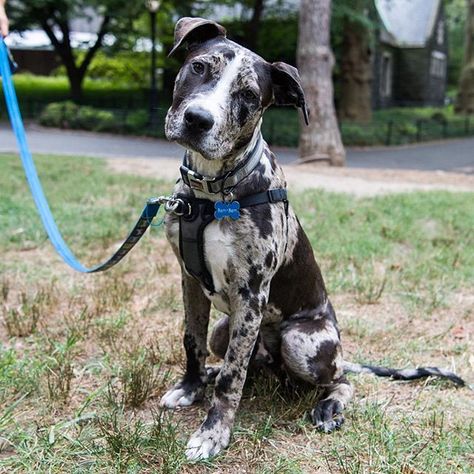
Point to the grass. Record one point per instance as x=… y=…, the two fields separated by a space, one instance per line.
x=84 y=359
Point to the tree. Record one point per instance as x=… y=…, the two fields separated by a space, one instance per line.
x=321 y=140
x=253 y=26
x=54 y=17
x=356 y=63
x=456 y=26
x=465 y=102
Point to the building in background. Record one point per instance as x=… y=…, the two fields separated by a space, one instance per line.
x=411 y=54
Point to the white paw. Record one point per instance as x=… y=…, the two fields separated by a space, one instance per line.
x=177 y=397
x=204 y=444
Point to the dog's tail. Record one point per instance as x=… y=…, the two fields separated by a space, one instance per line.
x=403 y=374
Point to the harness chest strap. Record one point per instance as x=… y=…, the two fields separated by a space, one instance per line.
x=197 y=214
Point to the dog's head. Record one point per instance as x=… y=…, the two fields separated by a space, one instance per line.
x=223 y=89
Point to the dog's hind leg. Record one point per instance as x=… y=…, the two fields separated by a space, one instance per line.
x=219 y=340
x=311 y=351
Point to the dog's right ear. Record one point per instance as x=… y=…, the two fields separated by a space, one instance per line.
x=195 y=30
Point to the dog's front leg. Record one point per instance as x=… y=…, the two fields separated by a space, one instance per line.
x=214 y=434
x=192 y=385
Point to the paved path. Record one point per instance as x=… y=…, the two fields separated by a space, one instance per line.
x=454 y=155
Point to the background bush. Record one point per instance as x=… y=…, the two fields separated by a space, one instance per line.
x=69 y=115
x=36 y=92
x=123 y=68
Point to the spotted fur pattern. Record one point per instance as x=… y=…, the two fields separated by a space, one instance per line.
x=265 y=276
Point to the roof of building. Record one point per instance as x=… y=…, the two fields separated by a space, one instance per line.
x=408 y=23
x=37 y=39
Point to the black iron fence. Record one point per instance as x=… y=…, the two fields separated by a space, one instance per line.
x=128 y=112
x=399 y=132
x=281 y=127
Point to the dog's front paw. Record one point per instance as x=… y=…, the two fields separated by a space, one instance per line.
x=205 y=443
x=182 y=395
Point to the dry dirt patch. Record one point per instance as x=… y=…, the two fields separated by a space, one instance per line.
x=359 y=182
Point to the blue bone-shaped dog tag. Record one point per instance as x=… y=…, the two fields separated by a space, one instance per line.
x=227 y=209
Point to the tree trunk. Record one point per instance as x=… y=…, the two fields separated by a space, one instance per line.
x=75 y=73
x=321 y=140
x=76 y=80
x=356 y=74
x=469 y=49
x=253 y=26
x=465 y=102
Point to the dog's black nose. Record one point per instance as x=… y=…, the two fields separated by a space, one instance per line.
x=198 y=119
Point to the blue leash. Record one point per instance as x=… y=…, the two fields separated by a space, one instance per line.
x=148 y=213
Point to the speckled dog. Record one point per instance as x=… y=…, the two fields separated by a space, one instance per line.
x=262 y=272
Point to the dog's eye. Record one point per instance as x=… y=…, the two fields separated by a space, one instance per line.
x=249 y=95
x=198 y=67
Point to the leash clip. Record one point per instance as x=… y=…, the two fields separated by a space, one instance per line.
x=172 y=204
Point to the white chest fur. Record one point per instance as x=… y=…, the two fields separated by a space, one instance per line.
x=218 y=253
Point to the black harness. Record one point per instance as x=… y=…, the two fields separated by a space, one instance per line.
x=196 y=214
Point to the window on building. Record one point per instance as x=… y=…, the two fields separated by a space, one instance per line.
x=440 y=33
x=438 y=64
x=386 y=75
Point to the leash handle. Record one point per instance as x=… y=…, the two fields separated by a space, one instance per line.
x=147 y=215
x=11 y=61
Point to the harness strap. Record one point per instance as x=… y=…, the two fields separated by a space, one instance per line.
x=191 y=240
x=270 y=196
x=196 y=215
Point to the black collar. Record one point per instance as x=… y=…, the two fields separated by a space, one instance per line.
x=217 y=185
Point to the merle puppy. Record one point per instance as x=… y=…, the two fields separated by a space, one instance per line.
x=258 y=269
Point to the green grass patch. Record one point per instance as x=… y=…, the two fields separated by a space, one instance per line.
x=92 y=206
x=421 y=239
x=424 y=240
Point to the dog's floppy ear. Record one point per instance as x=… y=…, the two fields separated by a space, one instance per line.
x=195 y=30
x=287 y=89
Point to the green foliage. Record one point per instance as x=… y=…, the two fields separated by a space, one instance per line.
x=456 y=18
x=137 y=121
x=281 y=126
x=130 y=68
x=54 y=18
x=69 y=115
x=278 y=39
x=121 y=68
x=36 y=92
